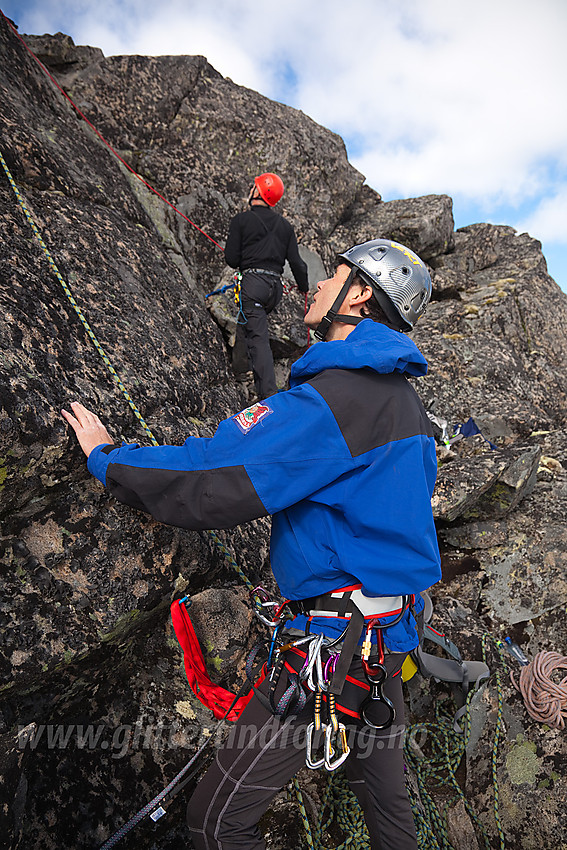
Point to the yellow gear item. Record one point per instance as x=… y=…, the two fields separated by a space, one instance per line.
x=409 y=669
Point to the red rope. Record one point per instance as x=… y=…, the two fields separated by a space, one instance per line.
x=108 y=145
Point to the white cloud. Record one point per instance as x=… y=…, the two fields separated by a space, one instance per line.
x=464 y=98
x=548 y=221
x=468 y=101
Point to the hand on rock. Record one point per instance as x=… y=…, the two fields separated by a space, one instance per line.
x=87 y=426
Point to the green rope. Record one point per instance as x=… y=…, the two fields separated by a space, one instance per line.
x=74 y=304
x=438 y=769
x=500 y=648
x=231 y=560
x=301 y=805
x=446 y=748
x=338 y=805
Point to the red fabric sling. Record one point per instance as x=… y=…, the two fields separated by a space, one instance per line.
x=215 y=697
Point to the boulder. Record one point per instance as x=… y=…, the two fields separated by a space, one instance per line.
x=423 y=224
x=487 y=485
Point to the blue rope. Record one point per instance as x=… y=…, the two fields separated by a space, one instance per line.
x=221 y=290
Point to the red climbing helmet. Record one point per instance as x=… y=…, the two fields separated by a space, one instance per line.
x=270 y=187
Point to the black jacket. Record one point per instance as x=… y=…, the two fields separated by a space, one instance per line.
x=262 y=239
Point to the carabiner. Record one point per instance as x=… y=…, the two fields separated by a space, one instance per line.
x=330 y=667
x=341 y=745
x=310 y=761
x=273 y=642
x=261 y=599
x=376 y=675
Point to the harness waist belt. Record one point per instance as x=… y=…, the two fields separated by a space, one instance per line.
x=261 y=271
x=369 y=606
x=351 y=604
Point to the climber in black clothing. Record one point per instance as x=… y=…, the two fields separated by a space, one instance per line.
x=259 y=242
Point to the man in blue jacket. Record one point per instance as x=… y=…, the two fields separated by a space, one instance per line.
x=344 y=462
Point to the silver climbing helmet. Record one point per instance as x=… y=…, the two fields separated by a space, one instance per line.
x=399 y=279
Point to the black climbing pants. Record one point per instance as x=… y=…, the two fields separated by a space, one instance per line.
x=259 y=295
x=262 y=753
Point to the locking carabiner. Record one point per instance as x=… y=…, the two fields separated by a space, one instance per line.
x=261 y=599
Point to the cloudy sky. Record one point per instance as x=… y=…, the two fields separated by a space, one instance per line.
x=430 y=96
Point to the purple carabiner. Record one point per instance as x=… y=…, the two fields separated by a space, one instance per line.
x=331 y=666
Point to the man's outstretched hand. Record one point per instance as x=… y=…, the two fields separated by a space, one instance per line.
x=87 y=426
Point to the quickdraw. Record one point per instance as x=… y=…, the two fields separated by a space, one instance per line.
x=315 y=675
x=335 y=739
x=314 y=726
x=240 y=317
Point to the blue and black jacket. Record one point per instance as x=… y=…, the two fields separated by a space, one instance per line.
x=344 y=461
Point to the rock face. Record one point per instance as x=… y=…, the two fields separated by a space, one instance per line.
x=86 y=647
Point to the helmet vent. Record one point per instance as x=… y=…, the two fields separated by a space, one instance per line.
x=401 y=275
x=378 y=253
x=419 y=299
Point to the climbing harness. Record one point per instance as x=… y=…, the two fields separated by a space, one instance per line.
x=261 y=271
x=326 y=662
x=454 y=669
x=350 y=604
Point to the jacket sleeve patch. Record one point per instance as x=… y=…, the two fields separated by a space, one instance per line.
x=250 y=417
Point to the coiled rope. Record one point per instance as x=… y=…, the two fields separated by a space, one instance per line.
x=545 y=699
x=339 y=805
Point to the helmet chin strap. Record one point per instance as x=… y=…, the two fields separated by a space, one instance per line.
x=333 y=313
